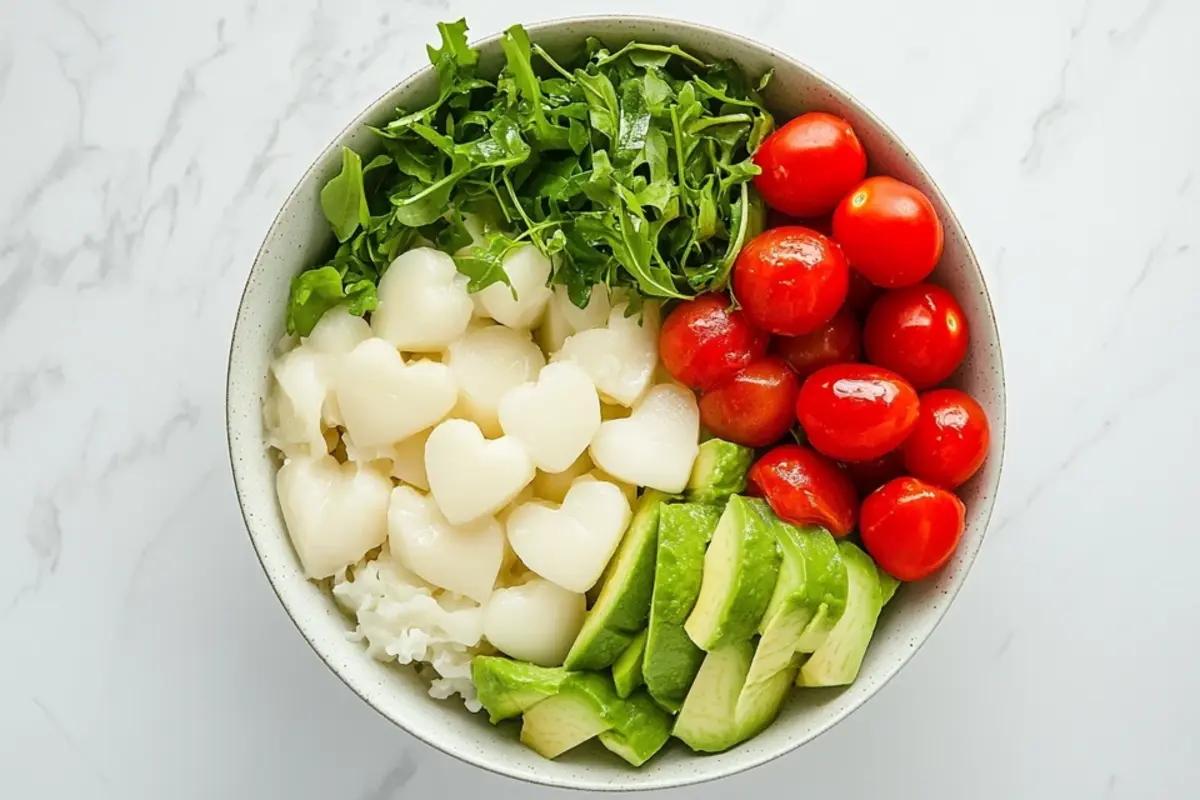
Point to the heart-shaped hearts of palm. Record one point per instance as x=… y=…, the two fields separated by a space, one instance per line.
x=423 y=302
x=384 y=401
x=572 y=543
x=470 y=476
x=619 y=358
x=464 y=559
x=656 y=445
x=555 y=418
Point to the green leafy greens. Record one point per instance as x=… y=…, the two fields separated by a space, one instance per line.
x=630 y=168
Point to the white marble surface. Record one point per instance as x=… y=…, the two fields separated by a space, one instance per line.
x=146 y=147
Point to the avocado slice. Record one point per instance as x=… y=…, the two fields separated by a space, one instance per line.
x=672 y=660
x=887 y=585
x=720 y=471
x=811 y=577
x=641 y=730
x=621 y=609
x=740 y=570
x=627 y=670
x=507 y=688
x=836 y=662
x=582 y=709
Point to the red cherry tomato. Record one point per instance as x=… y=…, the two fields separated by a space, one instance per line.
x=809 y=164
x=890 y=232
x=950 y=442
x=911 y=528
x=822 y=225
x=856 y=412
x=861 y=294
x=803 y=487
x=755 y=407
x=870 y=475
x=919 y=331
x=833 y=343
x=705 y=341
x=790 y=280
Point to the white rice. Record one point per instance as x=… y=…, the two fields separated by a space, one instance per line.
x=402 y=618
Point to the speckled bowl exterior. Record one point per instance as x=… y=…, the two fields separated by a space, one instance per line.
x=298 y=236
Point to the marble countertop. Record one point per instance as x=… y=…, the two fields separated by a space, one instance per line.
x=146 y=147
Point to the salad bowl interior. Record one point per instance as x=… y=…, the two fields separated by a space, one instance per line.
x=298 y=237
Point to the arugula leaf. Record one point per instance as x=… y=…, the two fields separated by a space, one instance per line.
x=484 y=265
x=343 y=199
x=602 y=102
x=633 y=123
x=315 y=291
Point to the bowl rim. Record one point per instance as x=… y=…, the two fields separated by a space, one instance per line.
x=998 y=425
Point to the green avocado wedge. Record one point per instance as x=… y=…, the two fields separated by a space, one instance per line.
x=583 y=709
x=720 y=471
x=837 y=661
x=508 y=688
x=740 y=571
x=627 y=671
x=621 y=610
x=640 y=730
x=672 y=660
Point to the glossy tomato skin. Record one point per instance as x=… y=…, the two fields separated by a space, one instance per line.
x=911 y=528
x=803 y=487
x=809 y=164
x=835 y=342
x=790 y=280
x=919 y=331
x=856 y=412
x=950 y=441
x=705 y=341
x=755 y=407
x=870 y=475
x=890 y=232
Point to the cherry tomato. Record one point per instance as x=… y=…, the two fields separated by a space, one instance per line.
x=856 y=412
x=870 y=475
x=890 y=232
x=809 y=164
x=755 y=407
x=919 y=331
x=950 y=442
x=704 y=341
x=911 y=528
x=803 y=487
x=833 y=343
x=861 y=294
x=790 y=280
x=822 y=225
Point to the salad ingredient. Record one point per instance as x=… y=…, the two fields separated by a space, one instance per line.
x=704 y=341
x=553 y=486
x=919 y=331
x=383 y=401
x=719 y=471
x=470 y=476
x=911 y=528
x=621 y=357
x=508 y=688
x=401 y=618
x=656 y=445
x=856 y=412
x=808 y=601
x=641 y=730
x=572 y=543
x=555 y=418
x=755 y=407
x=593 y=315
x=581 y=710
x=836 y=342
x=408 y=460
x=623 y=605
x=334 y=512
x=809 y=164
x=293 y=415
x=627 y=669
x=423 y=302
x=628 y=489
x=887 y=585
x=535 y=621
x=950 y=441
x=837 y=661
x=861 y=294
x=803 y=487
x=870 y=475
x=890 y=232
x=521 y=299
x=740 y=569
x=487 y=363
x=790 y=280
x=464 y=559
x=672 y=659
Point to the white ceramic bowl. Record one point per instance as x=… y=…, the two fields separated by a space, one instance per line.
x=298 y=236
